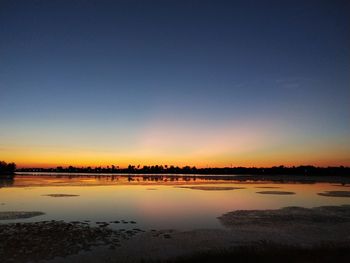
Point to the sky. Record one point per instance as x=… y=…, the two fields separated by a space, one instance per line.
x=204 y=83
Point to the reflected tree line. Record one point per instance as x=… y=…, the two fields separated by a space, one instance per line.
x=160 y=169
x=7 y=171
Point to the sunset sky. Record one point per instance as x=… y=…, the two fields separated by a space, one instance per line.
x=204 y=83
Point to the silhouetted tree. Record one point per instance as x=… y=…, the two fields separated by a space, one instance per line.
x=7 y=168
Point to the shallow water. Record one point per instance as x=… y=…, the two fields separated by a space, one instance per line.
x=162 y=202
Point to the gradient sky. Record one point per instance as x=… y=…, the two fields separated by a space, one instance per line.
x=205 y=83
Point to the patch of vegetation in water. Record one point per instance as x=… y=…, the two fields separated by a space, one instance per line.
x=61 y=195
x=276 y=193
x=211 y=188
x=336 y=193
x=9 y=215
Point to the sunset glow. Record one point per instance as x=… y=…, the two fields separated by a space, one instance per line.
x=97 y=87
x=174 y=131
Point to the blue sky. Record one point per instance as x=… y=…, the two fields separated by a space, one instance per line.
x=97 y=76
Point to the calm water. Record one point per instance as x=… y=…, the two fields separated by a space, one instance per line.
x=153 y=204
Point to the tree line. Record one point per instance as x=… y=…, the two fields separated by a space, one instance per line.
x=160 y=169
x=7 y=168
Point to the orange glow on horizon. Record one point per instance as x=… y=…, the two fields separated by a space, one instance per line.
x=250 y=144
x=198 y=163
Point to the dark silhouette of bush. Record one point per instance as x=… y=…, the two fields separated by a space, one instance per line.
x=7 y=168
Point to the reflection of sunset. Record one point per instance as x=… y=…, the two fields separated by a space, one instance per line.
x=154 y=203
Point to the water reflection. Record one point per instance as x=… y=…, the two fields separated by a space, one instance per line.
x=175 y=202
x=6 y=182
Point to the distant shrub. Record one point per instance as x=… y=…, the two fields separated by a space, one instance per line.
x=7 y=168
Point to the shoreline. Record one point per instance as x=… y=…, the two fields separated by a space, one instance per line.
x=282 y=229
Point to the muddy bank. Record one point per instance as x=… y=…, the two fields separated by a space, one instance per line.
x=61 y=195
x=270 y=253
x=275 y=193
x=9 y=215
x=210 y=188
x=336 y=193
x=295 y=216
x=302 y=229
x=23 y=242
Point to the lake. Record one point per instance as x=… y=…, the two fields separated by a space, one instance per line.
x=153 y=202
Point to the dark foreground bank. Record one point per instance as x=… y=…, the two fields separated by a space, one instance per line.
x=291 y=234
x=271 y=253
